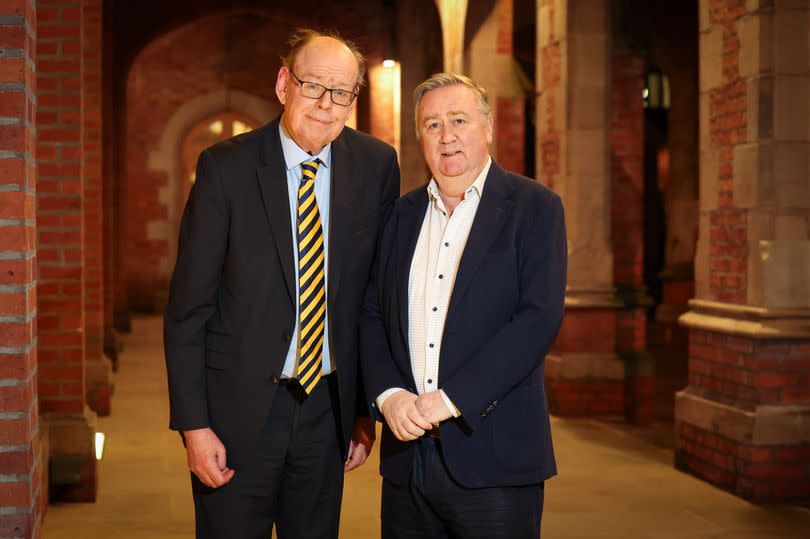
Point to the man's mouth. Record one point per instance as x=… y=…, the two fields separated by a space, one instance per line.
x=320 y=121
x=450 y=154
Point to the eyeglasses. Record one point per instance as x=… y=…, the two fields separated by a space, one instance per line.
x=313 y=90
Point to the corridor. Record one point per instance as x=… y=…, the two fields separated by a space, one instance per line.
x=612 y=483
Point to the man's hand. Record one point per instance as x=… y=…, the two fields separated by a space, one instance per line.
x=360 y=444
x=403 y=418
x=432 y=407
x=206 y=457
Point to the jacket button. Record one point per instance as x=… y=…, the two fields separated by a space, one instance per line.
x=273 y=380
x=285 y=336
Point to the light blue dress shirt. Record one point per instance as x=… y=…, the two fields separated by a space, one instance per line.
x=293 y=157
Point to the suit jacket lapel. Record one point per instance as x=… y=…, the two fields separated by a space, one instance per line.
x=272 y=178
x=493 y=209
x=410 y=223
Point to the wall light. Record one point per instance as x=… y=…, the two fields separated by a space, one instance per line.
x=100 y=445
x=389 y=63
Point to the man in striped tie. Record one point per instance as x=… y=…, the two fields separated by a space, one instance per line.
x=276 y=245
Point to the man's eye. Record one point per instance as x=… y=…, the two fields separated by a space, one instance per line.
x=432 y=126
x=340 y=93
x=459 y=121
x=312 y=87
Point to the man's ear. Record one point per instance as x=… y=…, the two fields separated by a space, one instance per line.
x=489 y=128
x=281 y=84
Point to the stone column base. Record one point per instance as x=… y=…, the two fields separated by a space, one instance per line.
x=99 y=377
x=585 y=385
x=73 y=471
x=743 y=422
x=761 y=455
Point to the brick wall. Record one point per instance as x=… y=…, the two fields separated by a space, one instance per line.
x=59 y=207
x=91 y=172
x=627 y=228
x=20 y=492
x=727 y=124
x=548 y=143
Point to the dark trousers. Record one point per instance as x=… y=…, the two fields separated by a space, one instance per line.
x=433 y=505
x=294 y=480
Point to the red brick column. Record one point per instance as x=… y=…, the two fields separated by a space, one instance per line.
x=61 y=249
x=627 y=231
x=741 y=423
x=98 y=367
x=21 y=503
x=584 y=373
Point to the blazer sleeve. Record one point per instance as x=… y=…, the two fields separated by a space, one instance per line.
x=388 y=194
x=202 y=247
x=521 y=345
x=376 y=358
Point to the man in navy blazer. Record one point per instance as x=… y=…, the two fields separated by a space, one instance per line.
x=465 y=300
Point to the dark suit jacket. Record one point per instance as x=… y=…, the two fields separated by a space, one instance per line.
x=231 y=311
x=504 y=313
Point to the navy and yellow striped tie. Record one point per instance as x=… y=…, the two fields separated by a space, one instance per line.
x=311 y=283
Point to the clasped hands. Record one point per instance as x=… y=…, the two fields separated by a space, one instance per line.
x=409 y=415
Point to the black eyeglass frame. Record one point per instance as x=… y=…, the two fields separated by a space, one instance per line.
x=324 y=89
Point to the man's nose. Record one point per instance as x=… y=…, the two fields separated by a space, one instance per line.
x=325 y=101
x=447 y=133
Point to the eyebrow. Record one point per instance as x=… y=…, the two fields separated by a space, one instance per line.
x=450 y=113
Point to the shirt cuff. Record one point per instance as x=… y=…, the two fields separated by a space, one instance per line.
x=384 y=395
x=450 y=406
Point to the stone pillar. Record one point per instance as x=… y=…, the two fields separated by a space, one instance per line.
x=98 y=368
x=489 y=61
x=743 y=422
x=61 y=250
x=453 y=15
x=584 y=374
x=21 y=472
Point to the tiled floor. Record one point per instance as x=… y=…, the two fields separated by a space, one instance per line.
x=613 y=483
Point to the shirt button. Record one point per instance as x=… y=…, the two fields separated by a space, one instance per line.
x=430 y=380
x=441 y=276
x=435 y=309
x=447 y=244
x=431 y=345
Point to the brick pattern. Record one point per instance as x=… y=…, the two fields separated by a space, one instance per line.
x=585 y=398
x=548 y=139
x=91 y=173
x=20 y=490
x=59 y=207
x=506 y=13
x=727 y=128
x=747 y=372
x=626 y=166
x=761 y=474
x=510 y=133
x=586 y=331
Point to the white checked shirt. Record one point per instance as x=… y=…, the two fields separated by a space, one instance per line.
x=433 y=273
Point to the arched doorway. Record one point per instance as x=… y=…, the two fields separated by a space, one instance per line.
x=206 y=133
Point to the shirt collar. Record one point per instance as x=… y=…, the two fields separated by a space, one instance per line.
x=294 y=155
x=477 y=186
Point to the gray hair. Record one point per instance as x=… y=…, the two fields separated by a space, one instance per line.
x=301 y=37
x=443 y=80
